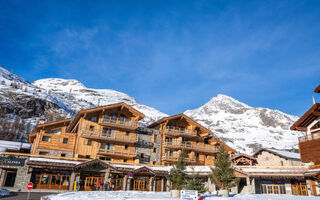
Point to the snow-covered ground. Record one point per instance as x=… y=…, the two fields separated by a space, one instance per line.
x=135 y=195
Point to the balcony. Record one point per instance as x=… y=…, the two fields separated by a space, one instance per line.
x=175 y=158
x=200 y=147
x=176 y=131
x=116 y=136
x=117 y=153
x=309 y=147
x=119 y=123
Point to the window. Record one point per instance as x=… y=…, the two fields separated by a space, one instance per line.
x=281 y=163
x=142 y=155
x=125 y=147
x=89 y=142
x=125 y=160
x=43 y=153
x=154 y=150
x=91 y=128
x=46 y=138
x=93 y=119
x=63 y=155
x=127 y=133
x=197 y=155
x=54 y=131
x=155 y=138
x=65 y=141
x=107 y=132
x=111 y=116
x=87 y=156
x=154 y=162
x=106 y=146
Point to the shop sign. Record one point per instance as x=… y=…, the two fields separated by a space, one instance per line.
x=189 y=194
x=12 y=161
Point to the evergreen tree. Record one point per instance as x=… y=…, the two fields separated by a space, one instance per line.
x=178 y=176
x=195 y=183
x=222 y=174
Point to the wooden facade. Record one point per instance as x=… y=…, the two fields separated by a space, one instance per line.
x=110 y=133
x=182 y=134
x=309 y=144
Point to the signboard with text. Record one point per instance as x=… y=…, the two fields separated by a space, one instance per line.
x=189 y=194
x=12 y=161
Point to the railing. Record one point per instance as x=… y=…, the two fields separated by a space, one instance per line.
x=119 y=122
x=188 y=145
x=175 y=158
x=121 y=152
x=115 y=136
x=312 y=136
x=172 y=130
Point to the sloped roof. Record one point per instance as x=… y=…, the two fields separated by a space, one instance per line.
x=317 y=90
x=14 y=146
x=96 y=109
x=312 y=114
x=281 y=153
x=55 y=123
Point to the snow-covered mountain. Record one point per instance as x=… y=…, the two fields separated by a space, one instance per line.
x=246 y=128
x=242 y=127
x=78 y=97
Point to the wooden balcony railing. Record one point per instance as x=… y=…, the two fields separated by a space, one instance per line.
x=309 y=137
x=175 y=158
x=121 y=123
x=116 y=136
x=120 y=152
x=200 y=147
x=176 y=131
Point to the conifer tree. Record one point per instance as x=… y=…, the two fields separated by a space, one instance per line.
x=222 y=174
x=178 y=176
x=195 y=183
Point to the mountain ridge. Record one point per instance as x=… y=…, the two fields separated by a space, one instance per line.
x=241 y=126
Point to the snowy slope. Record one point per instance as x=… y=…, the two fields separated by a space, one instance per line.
x=78 y=97
x=20 y=98
x=242 y=127
x=246 y=128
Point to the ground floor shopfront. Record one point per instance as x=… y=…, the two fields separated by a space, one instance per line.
x=65 y=175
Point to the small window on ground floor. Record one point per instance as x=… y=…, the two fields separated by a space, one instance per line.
x=44 y=153
x=63 y=155
x=125 y=160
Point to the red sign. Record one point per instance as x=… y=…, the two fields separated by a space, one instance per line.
x=30 y=186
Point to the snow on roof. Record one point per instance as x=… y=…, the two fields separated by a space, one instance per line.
x=281 y=153
x=54 y=160
x=14 y=145
x=287 y=154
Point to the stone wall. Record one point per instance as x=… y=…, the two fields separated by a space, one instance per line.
x=53 y=152
x=22 y=177
x=146 y=146
x=266 y=158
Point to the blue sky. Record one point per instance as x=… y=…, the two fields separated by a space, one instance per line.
x=171 y=55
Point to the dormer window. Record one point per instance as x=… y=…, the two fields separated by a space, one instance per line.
x=93 y=119
x=54 y=131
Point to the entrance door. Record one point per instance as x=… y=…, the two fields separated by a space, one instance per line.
x=158 y=185
x=141 y=184
x=91 y=183
x=10 y=178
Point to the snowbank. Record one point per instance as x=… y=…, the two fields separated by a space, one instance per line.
x=136 y=195
x=4 y=192
x=108 y=195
